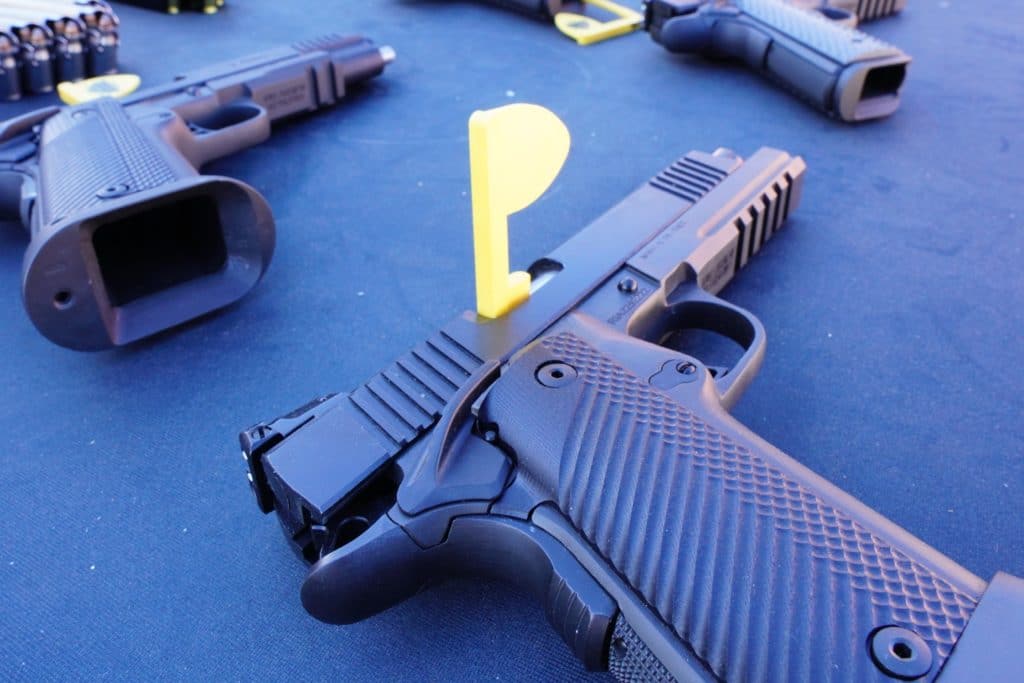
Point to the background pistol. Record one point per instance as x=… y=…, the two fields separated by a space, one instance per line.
x=840 y=70
x=127 y=238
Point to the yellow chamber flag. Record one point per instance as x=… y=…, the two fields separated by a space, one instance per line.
x=515 y=153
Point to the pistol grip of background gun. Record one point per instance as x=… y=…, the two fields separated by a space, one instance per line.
x=839 y=70
x=712 y=542
x=127 y=238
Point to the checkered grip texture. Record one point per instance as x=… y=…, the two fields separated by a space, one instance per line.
x=842 y=44
x=630 y=661
x=758 y=575
x=89 y=148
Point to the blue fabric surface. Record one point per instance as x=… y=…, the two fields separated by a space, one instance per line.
x=894 y=304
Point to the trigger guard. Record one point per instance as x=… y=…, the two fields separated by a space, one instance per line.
x=738 y=324
x=384 y=566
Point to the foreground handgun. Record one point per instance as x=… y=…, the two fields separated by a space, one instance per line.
x=127 y=238
x=840 y=70
x=575 y=446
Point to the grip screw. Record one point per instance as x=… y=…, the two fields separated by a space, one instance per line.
x=115 y=190
x=628 y=285
x=686 y=368
x=900 y=653
x=555 y=374
x=63 y=299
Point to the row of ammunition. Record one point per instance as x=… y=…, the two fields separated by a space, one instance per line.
x=45 y=42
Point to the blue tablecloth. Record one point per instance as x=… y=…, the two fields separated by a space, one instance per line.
x=894 y=304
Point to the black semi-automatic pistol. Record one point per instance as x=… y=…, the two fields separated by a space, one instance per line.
x=579 y=447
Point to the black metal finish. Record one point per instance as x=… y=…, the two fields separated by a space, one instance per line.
x=580 y=446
